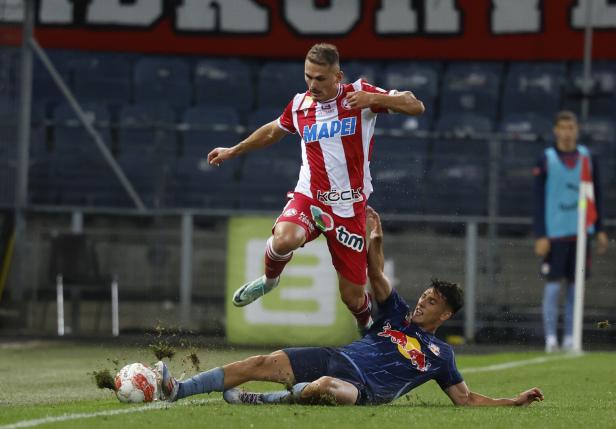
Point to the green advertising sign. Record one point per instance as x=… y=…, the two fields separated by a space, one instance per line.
x=304 y=310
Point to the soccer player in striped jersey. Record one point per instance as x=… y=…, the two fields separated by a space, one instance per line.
x=335 y=123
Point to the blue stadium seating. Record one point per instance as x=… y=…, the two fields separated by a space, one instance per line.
x=525 y=123
x=422 y=81
x=195 y=183
x=262 y=116
x=143 y=126
x=278 y=82
x=471 y=78
x=515 y=197
x=457 y=178
x=535 y=89
x=464 y=123
x=77 y=169
x=224 y=83
x=266 y=180
x=396 y=123
x=398 y=167
x=101 y=79
x=495 y=67
x=206 y=127
x=368 y=71
x=478 y=101
x=162 y=79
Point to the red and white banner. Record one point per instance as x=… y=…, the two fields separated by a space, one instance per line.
x=388 y=29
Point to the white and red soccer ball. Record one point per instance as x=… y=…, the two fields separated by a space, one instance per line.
x=136 y=383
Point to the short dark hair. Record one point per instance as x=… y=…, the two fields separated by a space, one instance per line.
x=565 y=115
x=452 y=292
x=323 y=54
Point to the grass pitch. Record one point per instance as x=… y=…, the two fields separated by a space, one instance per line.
x=48 y=384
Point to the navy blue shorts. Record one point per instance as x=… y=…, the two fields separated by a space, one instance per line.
x=560 y=262
x=311 y=363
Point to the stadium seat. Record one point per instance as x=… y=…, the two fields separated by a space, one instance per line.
x=262 y=116
x=197 y=184
x=165 y=80
x=477 y=101
x=464 y=123
x=143 y=126
x=204 y=126
x=266 y=179
x=104 y=79
x=536 y=89
x=495 y=67
x=396 y=123
x=216 y=117
x=537 y=102
x=398 y=168
x=528 y=123
x=224 y=83
x=515 y=196
x=278 y=82
x=370 y=72
x=457 y=178
x=603 y=79
x=471 y=78
x=77 y=169
x=421 y=80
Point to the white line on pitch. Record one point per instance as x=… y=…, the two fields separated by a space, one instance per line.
x=162 y=405
x=517 y=363
x=67 y=417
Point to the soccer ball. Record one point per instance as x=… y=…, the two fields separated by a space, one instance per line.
x=136 y=383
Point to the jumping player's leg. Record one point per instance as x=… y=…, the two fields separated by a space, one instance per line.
x=347 y=246
x=357 y=301
x=291 y=230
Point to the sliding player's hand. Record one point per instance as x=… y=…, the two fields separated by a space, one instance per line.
x=528 y=397
x=373 y=223
x=602 y=242
x=360 y=99
x=218 y=156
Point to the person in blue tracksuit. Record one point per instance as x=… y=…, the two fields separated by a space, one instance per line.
x=557 y=181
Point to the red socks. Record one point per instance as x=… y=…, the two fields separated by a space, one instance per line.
x=363 y=316
x=274 y=263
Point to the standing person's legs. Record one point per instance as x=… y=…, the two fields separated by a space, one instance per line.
x=555 y=269
x=551 y=293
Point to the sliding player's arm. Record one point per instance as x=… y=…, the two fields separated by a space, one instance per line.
x=267 y=135
x=460 y=394
x=376 y=259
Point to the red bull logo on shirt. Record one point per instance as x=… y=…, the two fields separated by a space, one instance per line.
x=409 y=347
x=324 y=130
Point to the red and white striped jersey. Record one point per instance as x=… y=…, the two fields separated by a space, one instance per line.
x=336 y=147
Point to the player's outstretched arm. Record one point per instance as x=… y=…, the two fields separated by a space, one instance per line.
x=400 y=102
x=461 y=395
x=376 y=259
x=264 y=136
